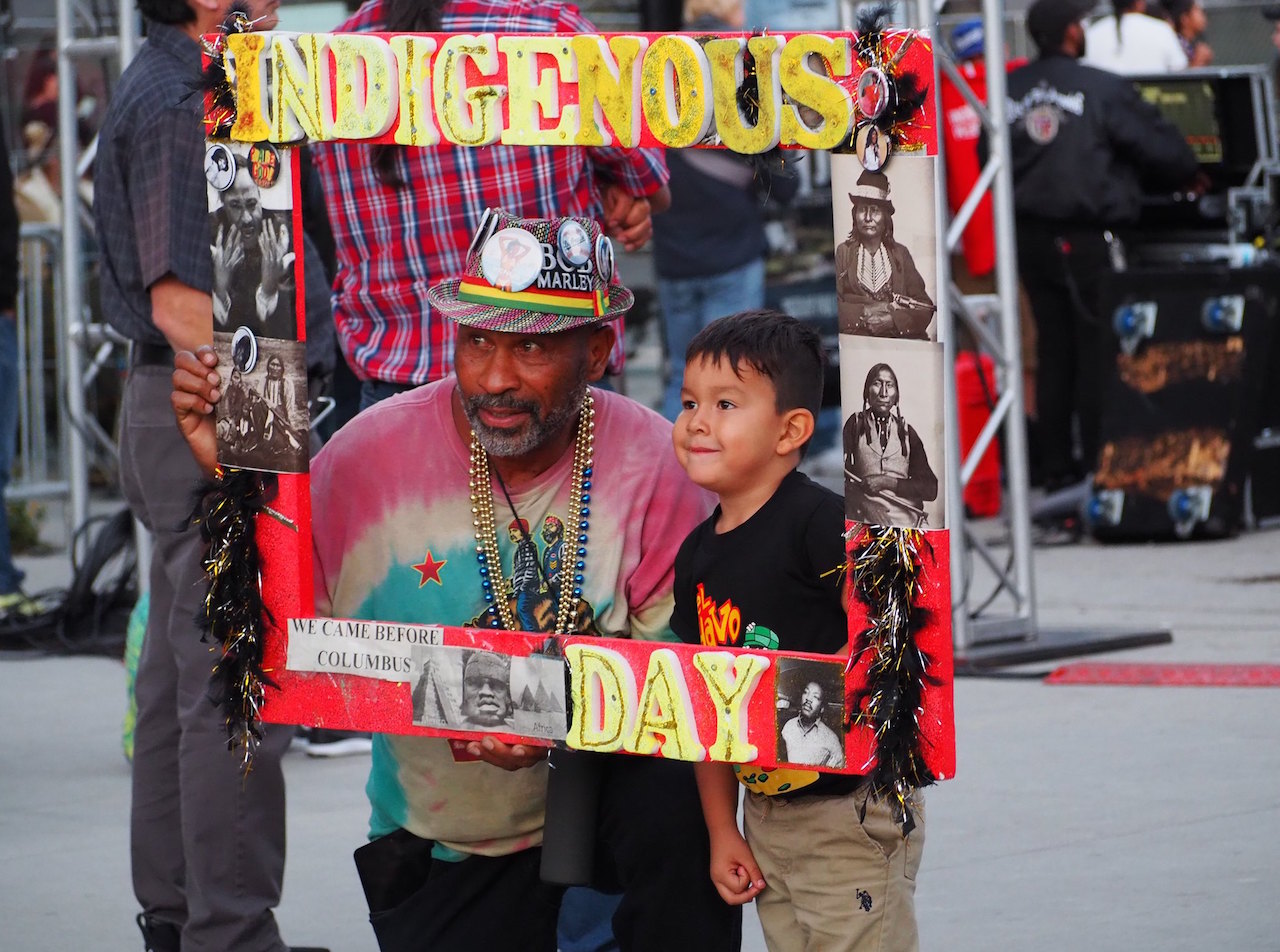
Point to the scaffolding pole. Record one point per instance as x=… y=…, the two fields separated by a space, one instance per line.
x=75 y=327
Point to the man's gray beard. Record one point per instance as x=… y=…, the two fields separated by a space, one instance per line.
x=536 y=432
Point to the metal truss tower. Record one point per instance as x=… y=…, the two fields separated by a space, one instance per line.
x=993 y=593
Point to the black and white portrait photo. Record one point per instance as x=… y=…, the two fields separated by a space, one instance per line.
x=462 y=688
x=886 y=257
x=810 y=709
x=251 y=240
x=485 y=691
x=262 y=418
x=892 y=404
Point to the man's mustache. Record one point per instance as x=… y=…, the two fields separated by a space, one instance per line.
x=501 y=401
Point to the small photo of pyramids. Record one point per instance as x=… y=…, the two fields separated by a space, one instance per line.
x=537 y=689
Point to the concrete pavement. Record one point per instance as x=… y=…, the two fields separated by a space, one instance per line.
x=1082 y=817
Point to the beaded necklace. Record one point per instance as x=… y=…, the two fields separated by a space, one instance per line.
x=874 y=269
x=487 y=554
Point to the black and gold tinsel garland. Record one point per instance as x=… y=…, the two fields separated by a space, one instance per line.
x=887 y=569
x=220 y=115
x=766 y=164
x=233 y=617
x=907 y=93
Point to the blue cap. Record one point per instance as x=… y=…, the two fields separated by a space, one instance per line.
x=967 y=39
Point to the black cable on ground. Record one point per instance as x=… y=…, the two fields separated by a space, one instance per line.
x=91 y=615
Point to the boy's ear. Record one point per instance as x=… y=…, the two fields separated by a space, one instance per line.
x=797 y=428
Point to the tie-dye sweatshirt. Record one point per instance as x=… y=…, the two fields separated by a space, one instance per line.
x=394 y=541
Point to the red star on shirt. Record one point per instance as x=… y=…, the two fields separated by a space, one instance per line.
x=429 y=569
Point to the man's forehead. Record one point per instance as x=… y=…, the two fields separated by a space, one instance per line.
x=570 y=336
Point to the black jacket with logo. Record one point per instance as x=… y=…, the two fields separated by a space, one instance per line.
x=1085 y=146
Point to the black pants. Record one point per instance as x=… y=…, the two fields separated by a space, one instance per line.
x=651 y=845
x=420 y=904
x=1061 y=267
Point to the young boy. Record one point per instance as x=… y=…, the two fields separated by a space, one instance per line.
x=827 y=865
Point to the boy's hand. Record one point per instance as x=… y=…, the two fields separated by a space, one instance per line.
x=734 y=871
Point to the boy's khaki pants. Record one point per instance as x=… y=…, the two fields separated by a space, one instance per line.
x=839 y=875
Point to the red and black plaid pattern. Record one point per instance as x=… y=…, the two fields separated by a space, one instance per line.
x=394 y=243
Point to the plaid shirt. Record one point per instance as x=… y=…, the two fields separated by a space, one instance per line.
x=394 y=243
x=150 y=207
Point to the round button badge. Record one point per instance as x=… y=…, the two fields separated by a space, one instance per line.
x=219 y=166
x=511 y=259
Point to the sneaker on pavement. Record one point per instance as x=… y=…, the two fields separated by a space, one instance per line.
x=322 y=742
x=16 y=603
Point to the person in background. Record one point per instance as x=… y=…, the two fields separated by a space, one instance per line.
x=12 y=600
x=1083 y=147
x=389 y=331
x=1187 y=17
x=709 y=246
x=1131 y=42
x=1272 y=15
x=207 y=842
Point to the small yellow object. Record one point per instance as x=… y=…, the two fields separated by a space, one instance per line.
x=731 y=680
x=366 y=87
x=467 y=115
x=298 y=80
x=806 y=88
x=609 y=88
x=416 y=126
x=674 y=79
x=534 y=94
x=665 y=709
x=603 y=694
x=245 y=51
x=727 y=74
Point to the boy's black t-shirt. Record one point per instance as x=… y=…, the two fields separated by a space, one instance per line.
x=773 y=582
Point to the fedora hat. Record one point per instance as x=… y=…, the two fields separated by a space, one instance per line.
x=872 y=187
x=534 y=276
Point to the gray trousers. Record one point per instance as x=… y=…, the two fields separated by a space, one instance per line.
x=207 y=844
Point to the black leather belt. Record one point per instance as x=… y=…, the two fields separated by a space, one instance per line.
x=152 y=355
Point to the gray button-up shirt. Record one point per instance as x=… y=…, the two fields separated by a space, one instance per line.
x=150 y=206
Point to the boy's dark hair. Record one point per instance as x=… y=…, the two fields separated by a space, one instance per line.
x=174 y=12
x=776 y=345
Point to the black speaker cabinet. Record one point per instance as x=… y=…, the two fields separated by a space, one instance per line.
x=1264 y=470
x=1183 y=403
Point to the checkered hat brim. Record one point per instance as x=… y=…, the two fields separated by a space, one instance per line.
x=444 y=298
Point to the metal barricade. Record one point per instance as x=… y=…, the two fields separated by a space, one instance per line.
x=40 y=470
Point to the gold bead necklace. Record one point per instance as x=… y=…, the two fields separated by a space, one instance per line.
x=577 y=525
